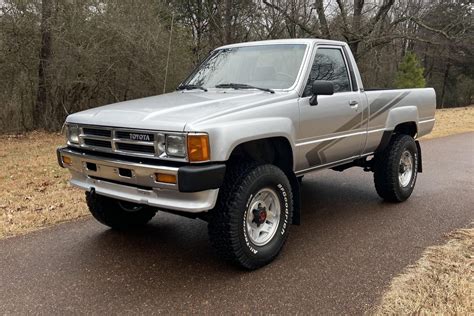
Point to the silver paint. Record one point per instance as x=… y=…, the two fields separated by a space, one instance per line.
x=330 y=133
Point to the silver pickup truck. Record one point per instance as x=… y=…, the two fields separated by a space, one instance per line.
x=232 y=143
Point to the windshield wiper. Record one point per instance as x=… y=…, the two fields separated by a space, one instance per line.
x=190 y=87
x=242 y=86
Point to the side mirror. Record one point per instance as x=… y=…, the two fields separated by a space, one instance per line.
x=320 y=87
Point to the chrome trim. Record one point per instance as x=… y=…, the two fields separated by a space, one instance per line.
x=95 y=137
x=136 y=142
x=143 y=175
x=114 y=140
x=195 y=202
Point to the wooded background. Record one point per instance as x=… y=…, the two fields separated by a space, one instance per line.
x=63 y=56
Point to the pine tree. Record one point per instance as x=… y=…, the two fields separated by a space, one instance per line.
x=410 y=73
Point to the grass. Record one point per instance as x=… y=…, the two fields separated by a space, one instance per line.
x=34 y=190
x=453 y=121
x=441 y=282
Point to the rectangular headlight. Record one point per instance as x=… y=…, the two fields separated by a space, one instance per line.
x=72 y=133
x=175 y=146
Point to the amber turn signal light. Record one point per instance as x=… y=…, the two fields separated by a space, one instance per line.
x=67 y=160
x=165 y=178
x=198 y=147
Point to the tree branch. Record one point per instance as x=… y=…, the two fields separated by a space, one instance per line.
x=290 y=18
x=431 y=29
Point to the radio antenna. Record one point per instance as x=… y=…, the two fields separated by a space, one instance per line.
x=169 y=51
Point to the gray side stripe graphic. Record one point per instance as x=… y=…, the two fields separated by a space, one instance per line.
x=379 y=106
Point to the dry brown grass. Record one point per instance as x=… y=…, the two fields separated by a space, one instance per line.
x=440 y=283
x=34 y=191
x=453 y=121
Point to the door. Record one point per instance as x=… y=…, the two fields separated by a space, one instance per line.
x=332 y=130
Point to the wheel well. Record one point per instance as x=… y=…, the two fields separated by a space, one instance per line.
x=407 y=128
x=274 y=150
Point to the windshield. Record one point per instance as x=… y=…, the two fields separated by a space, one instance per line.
x=266 y=66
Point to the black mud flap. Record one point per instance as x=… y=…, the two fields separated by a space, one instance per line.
x=295 y=186
x=420 y=161
x=387 y=135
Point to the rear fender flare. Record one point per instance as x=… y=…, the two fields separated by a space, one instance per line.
x=401 y=115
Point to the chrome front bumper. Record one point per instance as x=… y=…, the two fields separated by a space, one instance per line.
x=138 y=185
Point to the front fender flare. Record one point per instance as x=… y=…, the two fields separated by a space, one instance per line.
x=242 y=131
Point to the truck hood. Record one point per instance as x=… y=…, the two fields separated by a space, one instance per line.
x=172 y=111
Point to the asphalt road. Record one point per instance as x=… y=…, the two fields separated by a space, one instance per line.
x=339 y=261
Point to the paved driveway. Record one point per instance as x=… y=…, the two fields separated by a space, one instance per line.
x=340 y=260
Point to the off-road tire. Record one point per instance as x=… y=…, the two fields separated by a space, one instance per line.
x=110 y=212
x=227 y=230
x=386 y=169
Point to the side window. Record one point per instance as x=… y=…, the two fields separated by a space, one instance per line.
x=329 y=65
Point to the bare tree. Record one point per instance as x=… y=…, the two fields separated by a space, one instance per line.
x=44 y=61
x=66 y=56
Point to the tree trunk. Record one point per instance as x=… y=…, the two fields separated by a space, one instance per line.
x=356 y=25
x=445 y=82
x=319 y=4
x=228 y=21
x=358 y=6
x=42 y=93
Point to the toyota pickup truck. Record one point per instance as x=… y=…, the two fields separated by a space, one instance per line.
x=232 y=143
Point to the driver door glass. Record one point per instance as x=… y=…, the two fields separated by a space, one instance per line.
x=329 y=65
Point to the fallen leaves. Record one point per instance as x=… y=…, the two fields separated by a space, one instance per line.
x=34 y=191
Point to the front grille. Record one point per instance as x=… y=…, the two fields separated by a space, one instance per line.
x=135 y=147
x=97 y=143
x=149 y=137
x=122 y=141
x=97 y=132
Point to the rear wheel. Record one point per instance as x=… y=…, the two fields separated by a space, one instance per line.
x=396 y=169
x=118 y=214
x=250 y=222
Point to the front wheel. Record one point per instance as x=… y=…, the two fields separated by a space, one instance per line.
x=250 y=223
x=118 y=214
x=396 y=169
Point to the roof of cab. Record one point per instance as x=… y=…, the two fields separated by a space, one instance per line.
x=306 y=41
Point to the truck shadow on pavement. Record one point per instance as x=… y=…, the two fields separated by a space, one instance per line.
x=324 y=255
x=171 y=242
